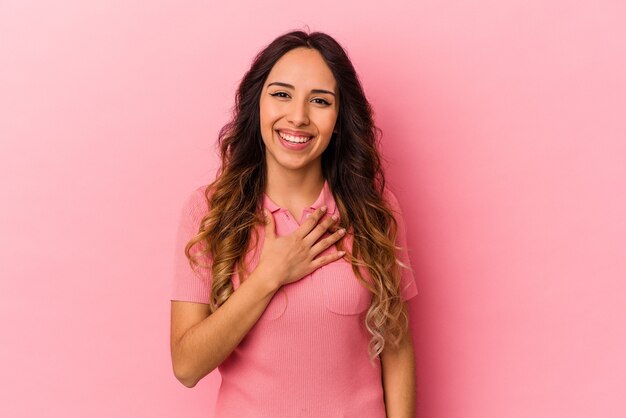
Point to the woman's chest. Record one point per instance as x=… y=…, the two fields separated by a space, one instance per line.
x=329 y=291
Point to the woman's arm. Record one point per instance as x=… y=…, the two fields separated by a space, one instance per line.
x=399 y=381
x=200 y=342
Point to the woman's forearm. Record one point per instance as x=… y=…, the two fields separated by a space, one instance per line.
x=399 y=379
x=207 y=344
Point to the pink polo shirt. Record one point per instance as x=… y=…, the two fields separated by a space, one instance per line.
x=307 y=354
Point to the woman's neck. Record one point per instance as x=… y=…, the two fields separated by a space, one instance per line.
x=294 y=190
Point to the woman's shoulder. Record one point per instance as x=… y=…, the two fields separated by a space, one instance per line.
x=195 y=203
x=390 y=197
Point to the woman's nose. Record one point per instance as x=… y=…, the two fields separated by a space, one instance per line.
x=298 y=113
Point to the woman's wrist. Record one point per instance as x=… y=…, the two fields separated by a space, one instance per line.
x=269 y=278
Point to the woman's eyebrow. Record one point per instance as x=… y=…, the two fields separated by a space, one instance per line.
x=278 y=83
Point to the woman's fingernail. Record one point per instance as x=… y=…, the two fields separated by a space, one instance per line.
x=334 y=217
x=324 y=208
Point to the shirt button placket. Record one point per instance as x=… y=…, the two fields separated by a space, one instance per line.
x=288 y=220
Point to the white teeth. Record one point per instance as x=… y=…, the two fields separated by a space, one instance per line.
x=291 y=138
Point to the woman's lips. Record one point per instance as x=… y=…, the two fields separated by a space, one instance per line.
x=295 y=133
x=292 y=145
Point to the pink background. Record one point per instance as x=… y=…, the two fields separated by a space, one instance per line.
x=504 y=136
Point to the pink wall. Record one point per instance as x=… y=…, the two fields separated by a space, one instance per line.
x=504 y=134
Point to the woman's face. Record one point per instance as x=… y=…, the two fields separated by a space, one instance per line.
x=300 y=100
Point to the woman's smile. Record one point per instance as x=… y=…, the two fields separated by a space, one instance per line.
x=294 y=143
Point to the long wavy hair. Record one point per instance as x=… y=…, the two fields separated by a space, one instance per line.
x=352 y=166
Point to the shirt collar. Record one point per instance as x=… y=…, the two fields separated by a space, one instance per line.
x=325 y=198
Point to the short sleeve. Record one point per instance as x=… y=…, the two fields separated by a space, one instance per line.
x=408 y=287
x=189 y=285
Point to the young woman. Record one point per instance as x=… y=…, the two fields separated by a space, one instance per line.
x=292 y=270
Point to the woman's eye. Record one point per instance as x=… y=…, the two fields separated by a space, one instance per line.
x=282 y=94
x=322 y=101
